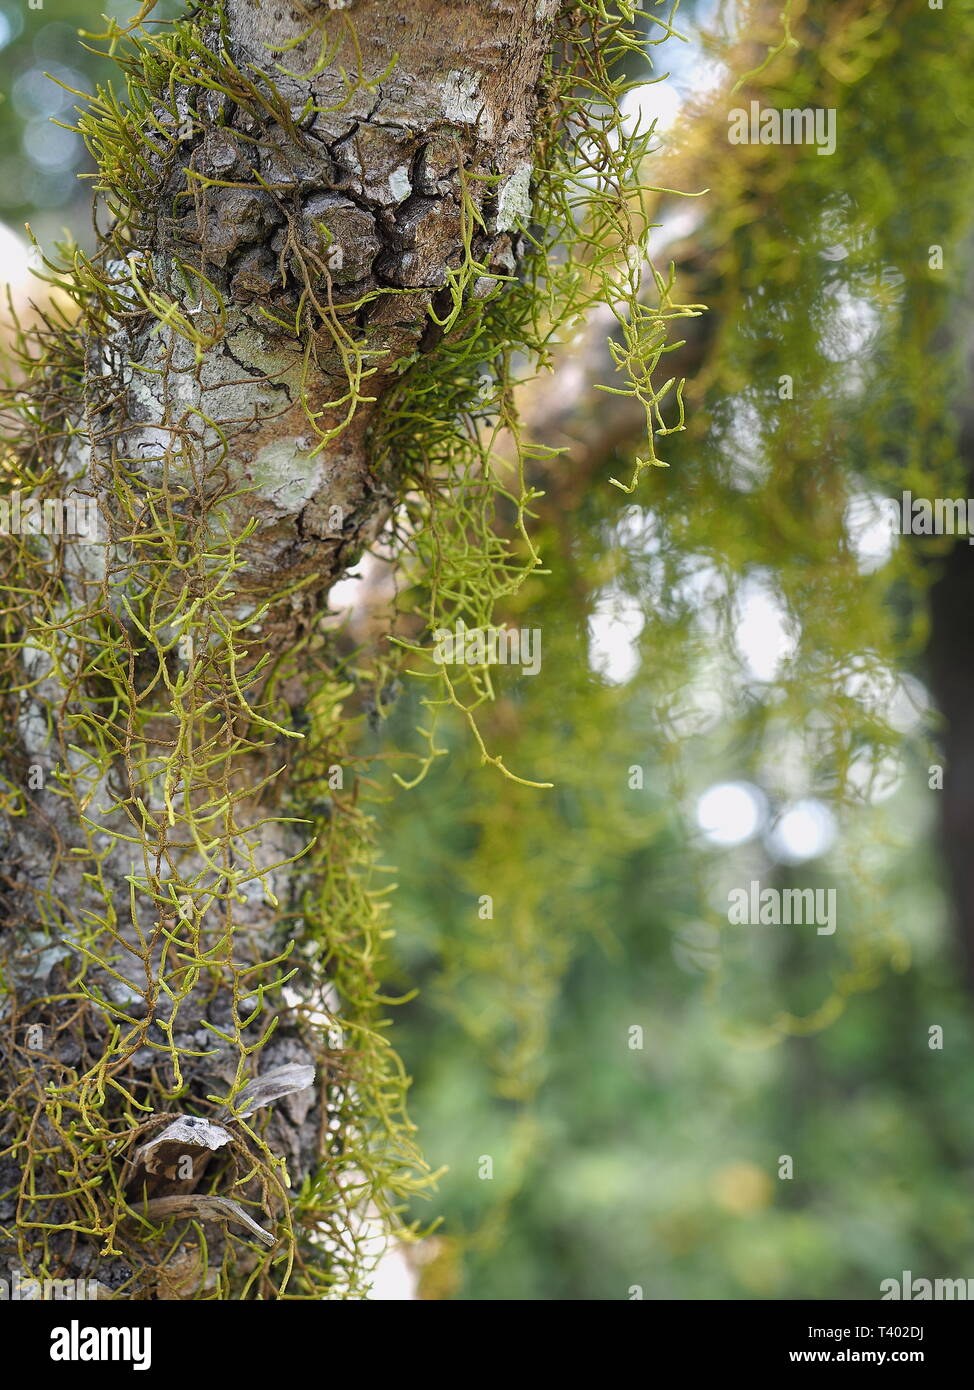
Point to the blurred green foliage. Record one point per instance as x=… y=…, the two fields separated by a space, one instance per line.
x=618 y=1167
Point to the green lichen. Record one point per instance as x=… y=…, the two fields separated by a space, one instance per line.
x=174 y=729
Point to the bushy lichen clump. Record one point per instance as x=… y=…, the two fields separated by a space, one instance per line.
x=192 y=894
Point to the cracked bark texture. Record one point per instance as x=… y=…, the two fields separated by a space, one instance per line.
x=361 y=192
x=368 y=185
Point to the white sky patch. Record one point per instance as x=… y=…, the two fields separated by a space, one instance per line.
x=763 y=634
x=804 y=830
x=702 y=588
x=383 y=1259
x=729 y=813
x=693 y=69
x=874 y=778
x=346 y=595
x=14 y=258
x=910 y=707
x=650 y=102
x=742 y=445
x=703 y=78
x=699 y=709
x=613 y=636
x=847 y=324
x=676 y=224
x=636 y=528
x=834 y=224
x=393 y=1279
x=682 y=72
x=899 y=700
x=871 y=530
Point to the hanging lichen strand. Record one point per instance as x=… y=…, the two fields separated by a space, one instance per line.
x=315 y=247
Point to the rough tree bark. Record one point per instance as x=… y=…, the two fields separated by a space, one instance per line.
x=362 y=155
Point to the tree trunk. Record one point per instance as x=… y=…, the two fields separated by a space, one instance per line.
x=297 y=200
